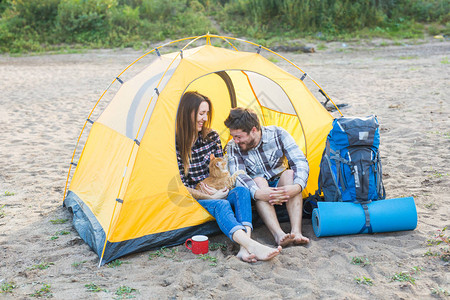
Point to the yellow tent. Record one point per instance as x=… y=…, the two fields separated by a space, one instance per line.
x=126 y=194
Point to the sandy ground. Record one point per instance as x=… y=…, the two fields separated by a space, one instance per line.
x=44 y=101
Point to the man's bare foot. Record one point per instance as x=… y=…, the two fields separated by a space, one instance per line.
x=245 y=256
x=285 y=240
x=299 y=239
x=262 y=252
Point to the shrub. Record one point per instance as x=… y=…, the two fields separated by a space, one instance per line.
x=84 y=21
x=36 y=13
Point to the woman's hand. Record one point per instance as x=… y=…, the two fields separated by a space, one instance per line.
x=220 y=194
x=206 y=189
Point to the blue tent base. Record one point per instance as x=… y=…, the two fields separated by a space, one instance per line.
x=342 y=218
x=93 y=234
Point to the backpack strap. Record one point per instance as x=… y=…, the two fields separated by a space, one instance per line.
x=310 y=203
x=339 y=159
x=367 y=224
x=380 y=187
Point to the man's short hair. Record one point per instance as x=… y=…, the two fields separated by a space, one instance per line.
x=242 y=118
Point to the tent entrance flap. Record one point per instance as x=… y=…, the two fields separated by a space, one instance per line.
x=230 y=86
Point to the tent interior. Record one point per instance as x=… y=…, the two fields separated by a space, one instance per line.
x=237 y=88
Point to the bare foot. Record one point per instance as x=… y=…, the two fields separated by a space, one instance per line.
x=285 y=240
x=262 y=252
x=245 y=256
x=299 y=239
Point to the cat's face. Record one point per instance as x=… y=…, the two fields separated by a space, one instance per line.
x=219 y=163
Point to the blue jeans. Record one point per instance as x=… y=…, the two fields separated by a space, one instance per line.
x=230 y=221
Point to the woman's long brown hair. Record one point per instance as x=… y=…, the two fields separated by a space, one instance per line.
x=186 y=131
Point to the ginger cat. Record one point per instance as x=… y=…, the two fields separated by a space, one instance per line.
x=219 y=177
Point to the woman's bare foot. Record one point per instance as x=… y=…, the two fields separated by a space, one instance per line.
x=245 y=256
x=262 y=252
x=299 y=239
x=284 y=240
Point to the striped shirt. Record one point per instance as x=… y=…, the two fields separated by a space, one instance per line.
x=199 y=163
x=267 y=159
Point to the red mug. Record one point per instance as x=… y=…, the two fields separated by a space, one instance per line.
x=199 y=244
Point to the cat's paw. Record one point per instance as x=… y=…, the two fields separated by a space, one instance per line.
x=239 y=172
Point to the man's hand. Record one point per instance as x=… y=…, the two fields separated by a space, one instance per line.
x=263 y=194
x=278 y=195
x=291 y=190
x=271 y=195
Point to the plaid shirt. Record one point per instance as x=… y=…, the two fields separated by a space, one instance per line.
x=266 y=159
x=199 y=163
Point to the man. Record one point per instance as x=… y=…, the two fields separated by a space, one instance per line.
x=261 y=152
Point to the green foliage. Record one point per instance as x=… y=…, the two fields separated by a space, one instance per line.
x=59 y=221
x=38 y=25
x=36 y=13
x=93 y=288
x=441 y=239
x=429 y=205
x=125 y=292
x=215 y=246
x=60 y=232
x=260 y=18
x=4 y=4
x=440 y=291
x=273 y=59
x=364 y=280
x=44 y=291
x=78 y=263
x=9 y=193
x=170 y=253
x=84 y=21
x=430 y=253
x=406 y=275
x=116 y=263
x=7 y=287
x=403 y=276
x=209 y=258
x=360 y=261
x=42 y=266
x=409 y=57
x=173 y=19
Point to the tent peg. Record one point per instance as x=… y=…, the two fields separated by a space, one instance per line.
x=157 y=52
x=120 y=80
x=137 y=142
x=326 y=97
x=90 y=121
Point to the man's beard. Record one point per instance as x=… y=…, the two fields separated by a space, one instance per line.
x=249 y=145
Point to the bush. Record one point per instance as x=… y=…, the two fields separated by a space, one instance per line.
x=30 y=25
x=36 y=13
x=173 y=19
x=84 y=21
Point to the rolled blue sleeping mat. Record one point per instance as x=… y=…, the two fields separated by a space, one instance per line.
x=342 y=218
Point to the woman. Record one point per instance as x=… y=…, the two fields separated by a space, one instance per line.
x=195 y=142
